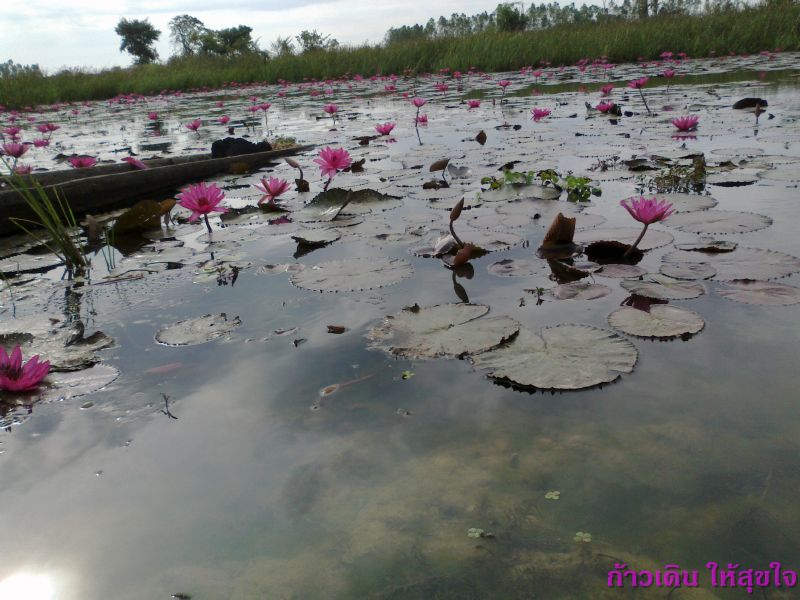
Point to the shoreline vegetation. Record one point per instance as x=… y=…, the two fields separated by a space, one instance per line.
x=718 y=31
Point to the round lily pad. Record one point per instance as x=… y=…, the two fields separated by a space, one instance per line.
x=444 y=330
x=662 y=321
x=200 y=330
x=63 y=386
x=580 y=290
x=353 y=274
x=627 y=235
x=661 y=287
x=621 y=271
x=317 y=237
x=26 y=263
x=718 y=222
x=708 y=245
x=564 y=357
x=743 y=263
x=688 y=202
x=510 y=267
x=690 y=271
x=761 y=292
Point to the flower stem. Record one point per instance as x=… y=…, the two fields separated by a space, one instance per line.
x=327 y=183
x=636 y=243
x=641 y=93
x=455 y=237
x=208 y=225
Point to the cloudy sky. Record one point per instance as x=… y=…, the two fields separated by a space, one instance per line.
x=72 y=33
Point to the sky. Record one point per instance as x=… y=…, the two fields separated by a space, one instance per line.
x=80 y=33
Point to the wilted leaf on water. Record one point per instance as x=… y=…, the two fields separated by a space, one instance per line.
x=302 y=185
x=662 y=321
x=743 y=263
x=708 y=245
x=352 y=274
x=481 y=137
x=718 y=222
x=439 y=165
x=627 y=235
x=661 y=287
x=691 y=271
x=580 y=290
x=199 y=330
x=464 y=254
x=141 y=216
x=317 y=237
x=564 y=357
x=445 y=330
x=761 y=292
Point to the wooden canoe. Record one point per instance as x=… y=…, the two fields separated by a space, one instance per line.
x=106 y=187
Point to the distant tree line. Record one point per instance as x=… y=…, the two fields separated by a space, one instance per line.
x=516 y=16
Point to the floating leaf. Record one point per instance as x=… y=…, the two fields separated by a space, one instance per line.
x=688 y=202
x=439 y=165
x=352 y=274
x=708 y=245
x=743 y=263
x=761 y=292
x=718 y=222
x=317 y=237
x=662 y=321
x=64 y=386
x=621 y=271
x=564 y=357
x=140 y=217
x=481 y=137
x=661 y=287
x=579 y=290
x=444 y=330
x=510 y=267
x=690 y=271
x=199 y=330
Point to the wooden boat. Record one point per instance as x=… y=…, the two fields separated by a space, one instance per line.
x=106 y=187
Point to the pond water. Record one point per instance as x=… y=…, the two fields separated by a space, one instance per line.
x=282 y=461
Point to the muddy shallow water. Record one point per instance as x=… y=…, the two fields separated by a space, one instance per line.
x=250 y=482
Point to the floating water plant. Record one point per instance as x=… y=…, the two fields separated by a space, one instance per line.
x=647 y=211
x=331 y=161
x=202 y=199
x=18 y=377
x=638 y=84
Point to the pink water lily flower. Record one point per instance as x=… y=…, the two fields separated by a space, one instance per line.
x=638 y=84
x=687 y=123
x=82 y=162
x=647 y=211
x=265 y=106
x=202 y=199
x=194 y=125
x=331 y=109
x=504 y=83
x=331 y=161
x=418 y=102
x=668 y=73
x=14 y=149
x=473 y=103
x=605 y=107
x=606 y=89
x=224 y=119
x=271 y=188
x=152 y=115
x=12 y=132
x=135 y=162
x=442 y=87
x=16 y=377
x=537 y=114
x=384 y=128
x=422 y=119
x=23 y=169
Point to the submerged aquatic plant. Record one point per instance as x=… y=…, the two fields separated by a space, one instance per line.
x=271 y=188
x=331 y=161
x=202 y=199
x=687 y=123
x=16 y=377
x=54 y=217
x=638 y=84
x=647 y=211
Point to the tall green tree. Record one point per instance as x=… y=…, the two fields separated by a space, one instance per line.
x=185 y=33
x=510 y=18
x=138 y=39
x=314 y=40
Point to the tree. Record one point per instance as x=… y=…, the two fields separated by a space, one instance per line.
x=138 y=38
x=313 y=40
x=186 y=33
x=510 y=18
x=237 y=40
x=282 y=46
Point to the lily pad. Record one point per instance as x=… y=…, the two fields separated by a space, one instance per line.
x=564 y=357
x=690 y=271
x=621 y=271
x=510 y=267
x=444 y=330
x=743 y=263
x=661 y=321
x=718 y=222
x=708 y=245
x=26 y=263
x=317 y=237
x=661 y=287
x=64 y=386
x=688 y=202
x=199 y=330
x=580 y=290
x=353 y=274
x=627 y=235
x=766 y=293
x=361 y=201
